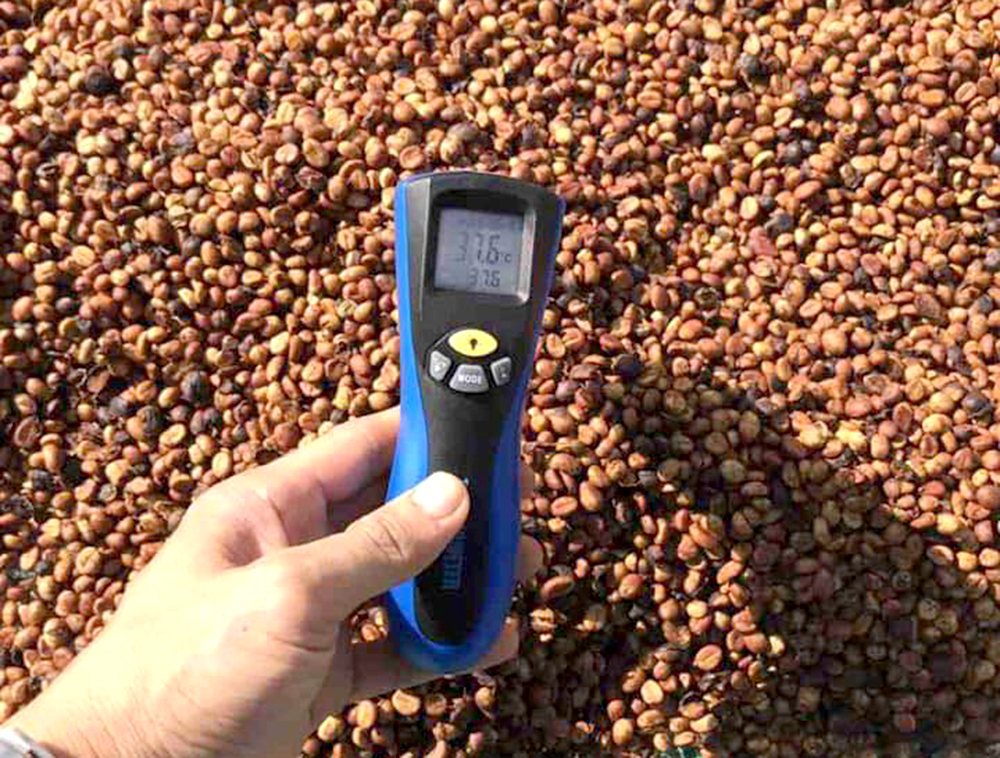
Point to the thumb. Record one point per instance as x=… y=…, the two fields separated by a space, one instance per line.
x=388 y=545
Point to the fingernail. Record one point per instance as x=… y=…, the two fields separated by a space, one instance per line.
x=439 y=495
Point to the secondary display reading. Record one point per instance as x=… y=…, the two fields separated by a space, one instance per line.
x=479 y=251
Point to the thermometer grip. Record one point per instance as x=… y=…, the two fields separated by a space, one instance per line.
x=465 y=362
x=448 y=617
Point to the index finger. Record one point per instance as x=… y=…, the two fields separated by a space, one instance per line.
x=347 y=458
x=299 y=486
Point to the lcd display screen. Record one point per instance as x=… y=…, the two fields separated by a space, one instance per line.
x=479 y=251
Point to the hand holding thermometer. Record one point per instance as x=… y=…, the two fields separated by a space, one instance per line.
x=474 y=260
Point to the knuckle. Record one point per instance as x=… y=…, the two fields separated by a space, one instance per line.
x=221 y=501
x=387 y=537
x=286 y=586
x=205 y=506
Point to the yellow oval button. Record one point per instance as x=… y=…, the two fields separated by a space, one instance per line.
x=472 y=343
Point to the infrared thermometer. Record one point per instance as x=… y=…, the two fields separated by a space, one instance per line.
x=474 y=259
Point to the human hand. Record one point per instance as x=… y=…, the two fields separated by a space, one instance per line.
x=233 y=641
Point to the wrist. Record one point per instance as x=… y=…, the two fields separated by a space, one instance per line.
x=54 y=744
x=59 y=736
x=16 y=744
x=74 y=717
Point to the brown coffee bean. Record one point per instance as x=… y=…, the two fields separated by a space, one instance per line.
x=988 y=496
x=622 y=731
x=708 y=658
x=405 y=704
x=556 y=587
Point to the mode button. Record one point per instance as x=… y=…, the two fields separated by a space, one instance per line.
x=469 y=379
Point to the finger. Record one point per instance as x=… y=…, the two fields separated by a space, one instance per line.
x=372 y=495
x=530 y=556
x=382 y=549
x=530 y=559
x=295 y=489
x=342 y=514
x=379 y=669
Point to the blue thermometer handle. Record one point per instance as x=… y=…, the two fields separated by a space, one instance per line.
x=466 y=358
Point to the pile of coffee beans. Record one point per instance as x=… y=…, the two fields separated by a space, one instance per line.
x=763 y=421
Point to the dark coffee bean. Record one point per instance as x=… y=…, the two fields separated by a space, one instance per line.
x=99 y=82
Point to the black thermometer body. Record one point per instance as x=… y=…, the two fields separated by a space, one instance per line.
x=474 y=259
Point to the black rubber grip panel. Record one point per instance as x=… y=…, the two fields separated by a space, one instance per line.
x=462 y=443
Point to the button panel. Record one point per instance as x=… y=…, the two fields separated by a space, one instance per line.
x=473 y=377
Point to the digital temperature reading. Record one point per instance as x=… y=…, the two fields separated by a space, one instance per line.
x=479 y=251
